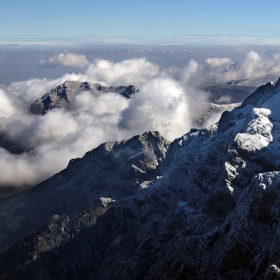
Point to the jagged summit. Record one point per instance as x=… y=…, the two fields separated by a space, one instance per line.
x=62 y=95
x=205 y=206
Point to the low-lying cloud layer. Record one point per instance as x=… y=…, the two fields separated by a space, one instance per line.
x=166 y=102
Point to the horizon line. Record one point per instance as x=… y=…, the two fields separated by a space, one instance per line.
x=178 y=40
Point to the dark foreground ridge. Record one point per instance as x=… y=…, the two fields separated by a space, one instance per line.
x=205 y=206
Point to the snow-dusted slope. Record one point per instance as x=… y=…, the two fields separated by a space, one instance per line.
x=62 y=95
x=205 y=206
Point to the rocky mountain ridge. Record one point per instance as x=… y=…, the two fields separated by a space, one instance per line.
x=205 y=206
x=63 y=95
x=108 y=173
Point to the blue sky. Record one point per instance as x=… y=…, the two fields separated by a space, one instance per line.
x=163 y=22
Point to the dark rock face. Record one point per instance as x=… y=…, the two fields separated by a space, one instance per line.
x=205 y=206
x=63 y=95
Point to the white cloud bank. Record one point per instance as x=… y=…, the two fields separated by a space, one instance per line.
x=164 y=103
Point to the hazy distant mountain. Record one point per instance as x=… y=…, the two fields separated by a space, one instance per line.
x=236 y=90
x=205 y=206
x=225 y=93
x=255 y=81
x=62 y=95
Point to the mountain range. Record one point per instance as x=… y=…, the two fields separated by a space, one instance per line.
x=205 y=206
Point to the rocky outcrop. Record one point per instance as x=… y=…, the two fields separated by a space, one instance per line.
x=63 y=95
x=205 y=206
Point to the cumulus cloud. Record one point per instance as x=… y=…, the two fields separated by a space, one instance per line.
x=132 y=71
x=65 y=59
x=160 y=105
